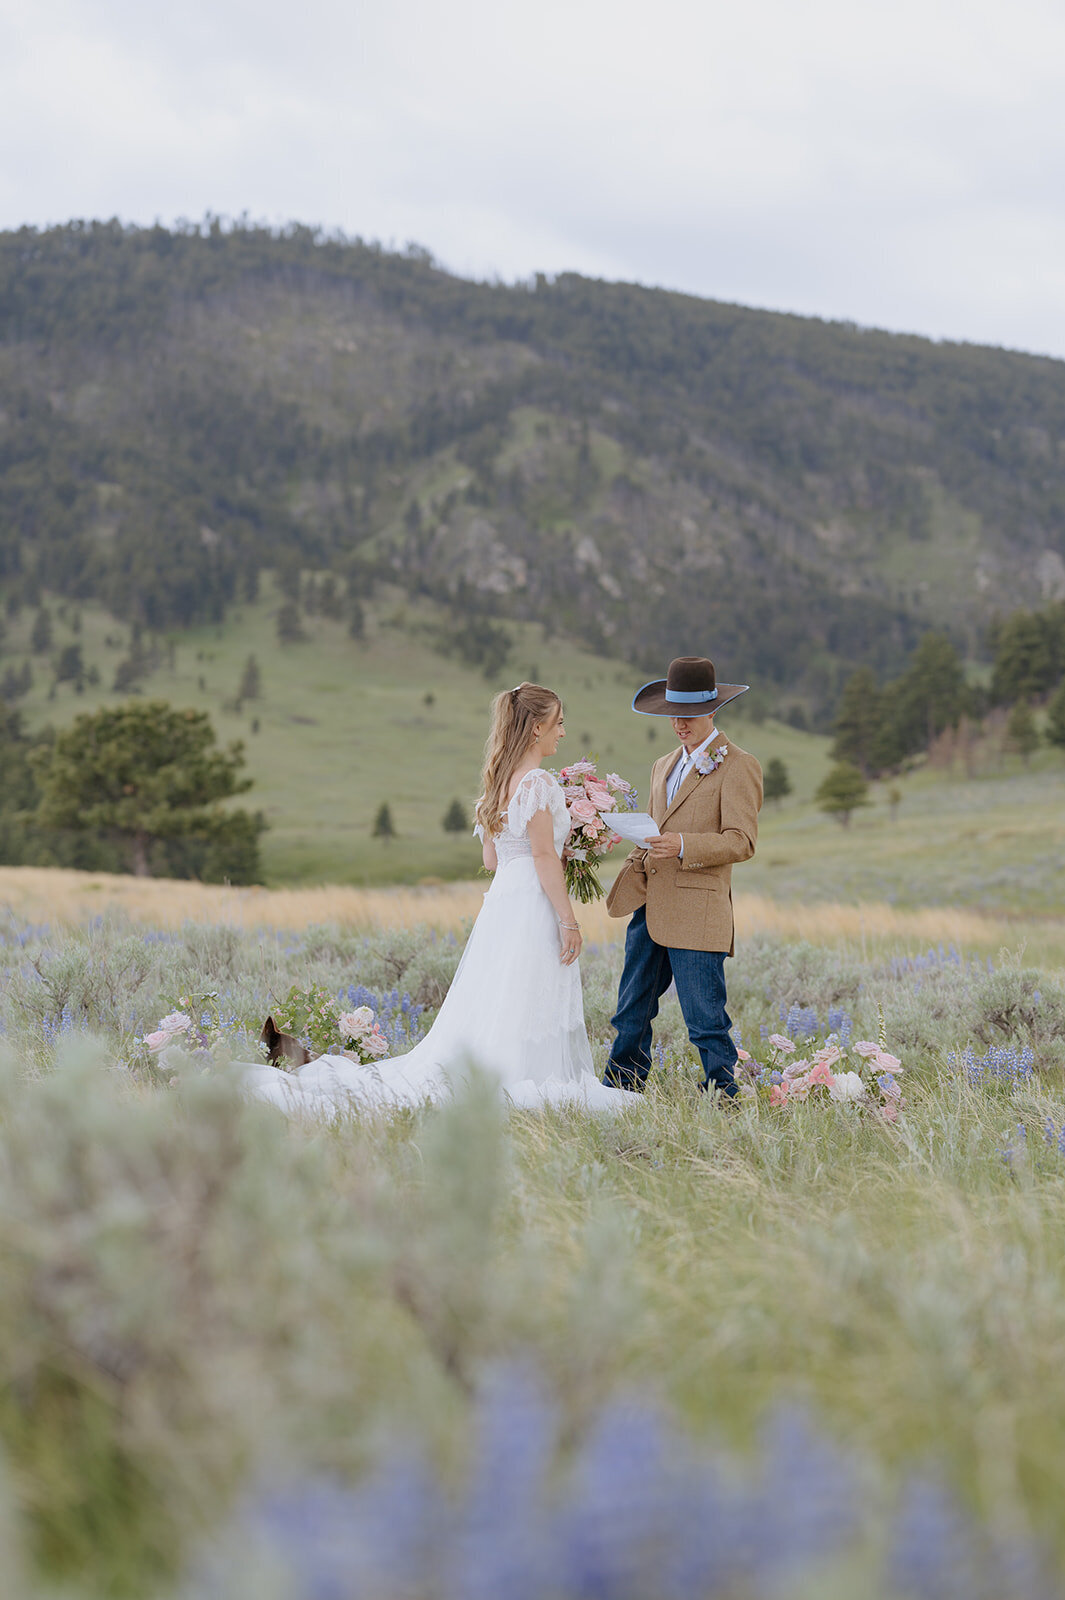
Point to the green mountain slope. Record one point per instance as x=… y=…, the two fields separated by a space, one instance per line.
x=644 y=471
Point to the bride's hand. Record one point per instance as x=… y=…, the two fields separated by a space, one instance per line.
x=571 y=942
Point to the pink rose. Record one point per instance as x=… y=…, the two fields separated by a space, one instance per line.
x=795 y=1069
x=156 y=1041
x=889 y=1112
x=888 y=1063
x=828 y=1055
x=583 y=810
x=821 y=1074
x=780 y=1042
x=778 y=1095
x=866 y=1047
x=742 y=1055
x=600 y=795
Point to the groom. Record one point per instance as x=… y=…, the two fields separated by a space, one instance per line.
x=705 y=798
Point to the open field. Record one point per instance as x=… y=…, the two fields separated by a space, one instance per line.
x=39 y=895
x=199 y=1301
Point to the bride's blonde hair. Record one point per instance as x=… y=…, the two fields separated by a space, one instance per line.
x=515 y=715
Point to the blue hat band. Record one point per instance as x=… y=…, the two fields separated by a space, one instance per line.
x=693 y=697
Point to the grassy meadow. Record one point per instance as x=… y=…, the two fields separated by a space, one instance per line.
x=218 y=1328
x=205 y=1309
x=344 y=725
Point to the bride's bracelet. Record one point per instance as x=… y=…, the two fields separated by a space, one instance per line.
x=576 y=927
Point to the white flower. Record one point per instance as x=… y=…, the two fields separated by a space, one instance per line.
x=352 y=1023
x=176 y=1022
x=848 y=1086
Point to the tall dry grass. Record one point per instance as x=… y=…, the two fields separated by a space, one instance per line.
x=53 y=895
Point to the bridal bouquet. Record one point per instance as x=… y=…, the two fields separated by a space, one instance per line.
x=589 y=801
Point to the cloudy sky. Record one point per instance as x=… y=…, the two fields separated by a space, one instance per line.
x=901 y=165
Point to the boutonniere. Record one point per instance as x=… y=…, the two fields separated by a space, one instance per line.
x=711 y=758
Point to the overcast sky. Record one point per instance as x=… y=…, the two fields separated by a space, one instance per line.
x=900 y=164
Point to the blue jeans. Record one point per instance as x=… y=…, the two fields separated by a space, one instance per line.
x=700 y=978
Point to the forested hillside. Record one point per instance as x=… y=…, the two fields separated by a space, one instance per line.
x=182 y=409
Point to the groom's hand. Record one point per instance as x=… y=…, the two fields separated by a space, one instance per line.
x=665 y=847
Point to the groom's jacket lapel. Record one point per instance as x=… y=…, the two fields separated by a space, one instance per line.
x=688 y=787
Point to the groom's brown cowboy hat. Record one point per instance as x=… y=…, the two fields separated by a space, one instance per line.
x=689 y=689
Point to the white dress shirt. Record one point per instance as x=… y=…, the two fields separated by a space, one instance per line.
x=679 y=771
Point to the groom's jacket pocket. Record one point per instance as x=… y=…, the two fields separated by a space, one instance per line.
x=692 y=878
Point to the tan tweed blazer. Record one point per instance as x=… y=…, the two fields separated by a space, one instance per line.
x=689 y=902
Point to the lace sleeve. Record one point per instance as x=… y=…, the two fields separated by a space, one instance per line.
x=533 y=794
x=478 y=831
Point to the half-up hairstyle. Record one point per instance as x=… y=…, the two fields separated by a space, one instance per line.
x=515 y=715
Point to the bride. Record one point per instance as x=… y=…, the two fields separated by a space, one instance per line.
x=514 y=1009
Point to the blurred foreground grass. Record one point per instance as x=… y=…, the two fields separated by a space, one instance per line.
x=197 y=1297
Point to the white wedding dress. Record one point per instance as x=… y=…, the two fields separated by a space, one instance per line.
x=514 y=1010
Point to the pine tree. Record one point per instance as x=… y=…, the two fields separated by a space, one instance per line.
x=1022 y=735
x=251 y=683
x=383 y=827
x=289 y=628
x=1055 y=728
x=858 y=720
x=777 y=782
x=357 y=620
x=455 y=819
x=841 y=791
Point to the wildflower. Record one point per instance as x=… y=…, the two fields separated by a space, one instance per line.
x=887 y=1062
x=847 y=1086
x=828 y=1055
x=820 y=1074
x=780 y=1042
x=176 y=1022
x=866 y=1047
x=887 y=1085
x=778 y=1095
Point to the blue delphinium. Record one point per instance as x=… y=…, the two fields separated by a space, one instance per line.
x=635 y=1509
x=1003 y=1064
x=398 y=1016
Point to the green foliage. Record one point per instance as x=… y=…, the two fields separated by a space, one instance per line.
x=455 y=819
x=777 y=783
x=1055 y=728
x=251 y=681
x=188 y=1282
x=383 y=826
x=146 y=773
x=478 y=642
x=309 y=1013
x=289 y=627
x=877 y=728
x=1029 y=654
x=1022 y=735
x=858 y=721
x=842 y=790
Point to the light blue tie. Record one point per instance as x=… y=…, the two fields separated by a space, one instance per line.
x=677 y=777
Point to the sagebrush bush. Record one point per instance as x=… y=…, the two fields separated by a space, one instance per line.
x=195 y=1292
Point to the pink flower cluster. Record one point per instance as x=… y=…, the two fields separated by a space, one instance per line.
x=590 y=800
x=170 y=1028
x=829 y=1069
